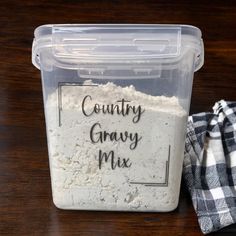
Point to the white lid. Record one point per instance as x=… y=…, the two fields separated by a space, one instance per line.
x=116 y=43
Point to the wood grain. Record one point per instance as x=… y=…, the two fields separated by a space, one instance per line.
x=26 y=207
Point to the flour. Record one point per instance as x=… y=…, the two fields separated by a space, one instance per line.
x=114 y=148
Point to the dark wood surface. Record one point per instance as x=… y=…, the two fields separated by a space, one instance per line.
x=26 y=206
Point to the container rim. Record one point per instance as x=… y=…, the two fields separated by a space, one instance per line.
x=68 y=37
x=46 y=29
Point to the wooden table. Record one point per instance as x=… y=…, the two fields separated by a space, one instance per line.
x=26 y=206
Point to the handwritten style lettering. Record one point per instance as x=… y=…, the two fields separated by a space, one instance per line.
x=104 y=157
x=98 y=136
x=122 y=107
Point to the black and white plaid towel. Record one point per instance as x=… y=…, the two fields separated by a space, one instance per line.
x=210 y=166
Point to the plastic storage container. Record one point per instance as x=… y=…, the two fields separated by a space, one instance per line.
x=116 y=101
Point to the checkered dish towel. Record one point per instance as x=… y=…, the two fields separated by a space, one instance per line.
x=209 y=169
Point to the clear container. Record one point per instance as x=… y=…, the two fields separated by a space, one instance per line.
x=116 y=101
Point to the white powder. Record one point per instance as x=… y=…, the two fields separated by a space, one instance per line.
x=153 y=140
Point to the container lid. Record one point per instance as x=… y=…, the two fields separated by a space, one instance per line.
x=116 y=43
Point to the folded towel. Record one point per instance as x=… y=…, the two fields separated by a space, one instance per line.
x=209 y=169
